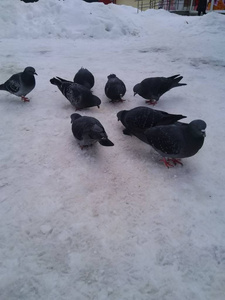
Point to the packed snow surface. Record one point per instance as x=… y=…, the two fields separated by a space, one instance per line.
x=109 y=222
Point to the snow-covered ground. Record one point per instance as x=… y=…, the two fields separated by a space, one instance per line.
x=109 y=222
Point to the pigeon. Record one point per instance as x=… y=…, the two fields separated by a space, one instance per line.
x=85 y=78
x=176 y=141
x=138 y=119
x=153 y=88
x=78 y=95
x=88 y=131
x=115 y=88
x=20 y=84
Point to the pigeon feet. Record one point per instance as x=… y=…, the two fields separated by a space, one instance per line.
x=117 y=100
x=174 y=161
x=85 y=147
x=25 y=99
x=151 y=102
x=166 y=163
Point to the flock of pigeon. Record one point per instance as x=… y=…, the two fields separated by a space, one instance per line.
x=173 y=140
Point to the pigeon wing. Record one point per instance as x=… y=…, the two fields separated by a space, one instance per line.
x=77 y=131
x=13 y=84
x=164 y=139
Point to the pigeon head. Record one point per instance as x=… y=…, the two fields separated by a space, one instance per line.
x=137 y=89
x=95 y=101
x=30 y=70
x=111 y=76
x=74 y=117
x=197 y=128
x=121 y=115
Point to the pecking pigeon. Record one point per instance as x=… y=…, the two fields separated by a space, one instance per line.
x=88 y=130
x=115 y=88
x=78 y=95
x=20 y=84
x=138 y=119
x=84 y=77
x=177 y=141
x=153 y=88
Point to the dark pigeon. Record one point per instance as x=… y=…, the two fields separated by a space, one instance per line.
x=88 y=131
x=177 y=141
x=78 y=95
x=153 y=88
x=85 y=78
x=138 y=119
x=20 y=84
x=115 y=88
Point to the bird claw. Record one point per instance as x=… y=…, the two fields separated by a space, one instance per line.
x=117 y=100
x=151 y=102
x=167 y=162
x=25 y=99
x=175 y=161
x=85 y=147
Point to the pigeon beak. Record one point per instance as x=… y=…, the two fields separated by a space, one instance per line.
x=135 y=93
x=35 y=73
x=203 y=133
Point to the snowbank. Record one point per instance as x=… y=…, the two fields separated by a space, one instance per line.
x=66 y=19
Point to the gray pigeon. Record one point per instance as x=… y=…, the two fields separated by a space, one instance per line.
x=154 y=87
x=20 y=84
x=177 y=141
x=78 y=95
x=138 y=119
x=84 y=77
x=88 y=131
x=115 y=88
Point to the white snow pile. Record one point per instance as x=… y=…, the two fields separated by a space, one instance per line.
x=78 y=19
x=66 y=19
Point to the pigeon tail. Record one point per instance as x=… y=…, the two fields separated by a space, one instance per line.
x=176 y=79
x=56 y=81
x=2 y=87
x=106 y=142
x=63 y=80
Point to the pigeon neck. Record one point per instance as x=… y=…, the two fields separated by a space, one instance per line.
x=27 y=78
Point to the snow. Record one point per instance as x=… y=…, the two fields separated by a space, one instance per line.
x=109 y=222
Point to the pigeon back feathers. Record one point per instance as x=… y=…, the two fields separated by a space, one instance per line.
x=88 y=130
x=138 y=119
x=20 y=84
x=78 y=95
x=115 y=88
x=154 y=87
x=85 y=78
x=178 y=140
